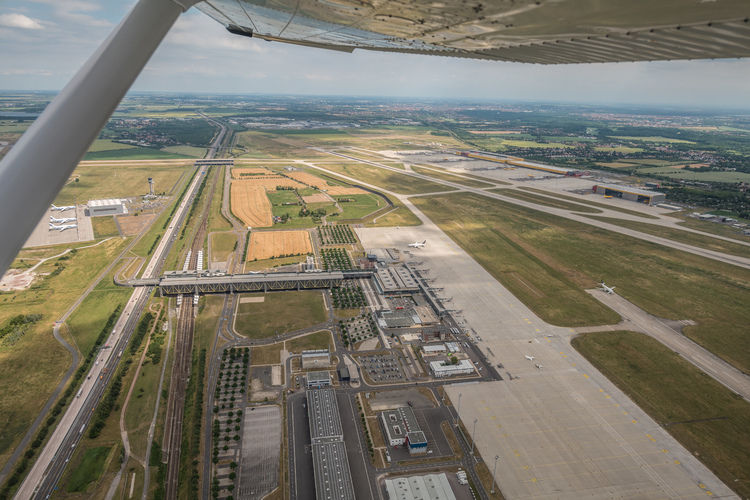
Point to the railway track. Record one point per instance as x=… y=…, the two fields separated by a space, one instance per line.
x=172 y=443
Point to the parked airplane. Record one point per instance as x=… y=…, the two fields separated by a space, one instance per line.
x=62 y=221
x=605 y=288
x=63 y=209
x=62 y=228
x=530 y=358
x=417 y=244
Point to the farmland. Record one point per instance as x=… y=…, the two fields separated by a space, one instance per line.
x=250 y=204
x=272 y=244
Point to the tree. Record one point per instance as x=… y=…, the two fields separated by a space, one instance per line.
x=454 y=360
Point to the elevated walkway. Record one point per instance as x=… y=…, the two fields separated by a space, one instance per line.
x=202 y=282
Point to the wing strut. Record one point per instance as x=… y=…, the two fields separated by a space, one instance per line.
x=37 y=167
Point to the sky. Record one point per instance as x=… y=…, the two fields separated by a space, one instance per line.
x=43 y=43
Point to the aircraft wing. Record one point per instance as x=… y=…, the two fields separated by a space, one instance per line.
x=544 y=31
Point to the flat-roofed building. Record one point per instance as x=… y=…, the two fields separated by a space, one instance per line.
x=333 y=479
x=318 y=379
x=428 y=487
x=440 y=369
x=401 y=426
x=319 y=358
x=631 y=193
x=434 y=349
x=109 y=206
x=416 y=441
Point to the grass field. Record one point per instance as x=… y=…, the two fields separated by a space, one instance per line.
x=118 y=181
x=222 y=245
x=651 y=138
x=262 y=265
x=397 y=215
x=216 y=220
x=546 y=201
x=617 y=164
x=691 y=175
x=587 y=200
x=560 y=257
x=87 y=321
x=671 y=390
x=445 y=176
x=362 y=206
x=191 y=151
x=386 y=179
x=266 y=355
x=104 y=227
x=317 y=340
x=698 y=240
x=281 y=312
x=137 y=153
x=534 y=144
x=20 y=373
x=108 y=145
x=89 y=470
x=281 y=197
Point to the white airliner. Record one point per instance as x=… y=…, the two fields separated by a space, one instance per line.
x=417 y=244
x=540 y=32
x=608 y=289
x=62 y=221
x=530 y=358
x=62 y=228
x=63 y=209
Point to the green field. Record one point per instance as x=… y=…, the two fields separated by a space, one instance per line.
x=118 y=181
x=691 y=175
x=534 y=144
x=87 y=321
x=266 y=355
x=558 y=257
x=138 y=153
x=191 y=151
x=386 y=179
x=266 y=264
x=445 y=176
x=108 y=145
x=676 y=394
x=364 y=205
x=91 y=467
x=281 y=312
x=619 y=149
x=281 y=197
x=546 y=201
x=222 y=245
x=698 y=240
x=651 y=138
x=317 y=340
x=216 y=220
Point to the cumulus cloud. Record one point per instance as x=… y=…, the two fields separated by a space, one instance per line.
x=19 y=21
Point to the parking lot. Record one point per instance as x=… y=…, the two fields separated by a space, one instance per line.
x=382 y=367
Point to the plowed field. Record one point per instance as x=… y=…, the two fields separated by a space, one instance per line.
x=267 y=244
x=250 y=203
x=271 y=182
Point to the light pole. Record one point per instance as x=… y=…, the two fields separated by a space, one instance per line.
x=473 y=433
x=493 y=475
x=458 y=412
x=443 y=393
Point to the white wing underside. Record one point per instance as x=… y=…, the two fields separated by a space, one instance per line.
x=544 y=32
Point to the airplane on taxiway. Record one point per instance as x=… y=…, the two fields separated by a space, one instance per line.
x=417 y=244
x=609 y=289
x=62 y=228
x=63 y=220
x=539 y=32
x=530 y=358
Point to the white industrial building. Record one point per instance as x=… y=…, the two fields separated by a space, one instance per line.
x=463 y=367
x=429 y=487
x=110 y=206
x=434 y=349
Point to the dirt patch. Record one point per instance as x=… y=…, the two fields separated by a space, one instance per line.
x=317 y=198
x=250 y=171
x=249 y=300
x=132 y=224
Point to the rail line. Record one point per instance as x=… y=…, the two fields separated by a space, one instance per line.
x=172 y=443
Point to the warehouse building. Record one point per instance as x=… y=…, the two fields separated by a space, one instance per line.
x=630 y=193
x=110 y=206
x=395 y=280
x=319 y=358
x=429 y=487
x=333 y=479
x=401 y=428
x=318 y=379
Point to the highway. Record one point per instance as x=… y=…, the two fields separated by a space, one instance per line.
x=48 y=468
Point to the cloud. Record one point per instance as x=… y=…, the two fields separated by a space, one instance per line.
x=19 y=21
x=75 y=12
